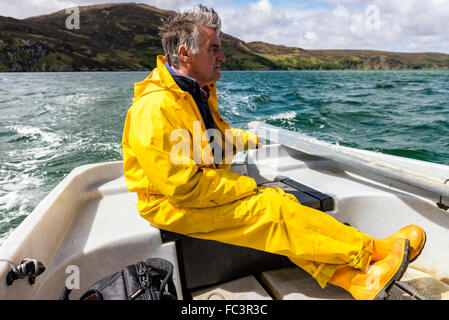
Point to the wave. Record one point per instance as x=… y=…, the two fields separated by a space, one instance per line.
x=384 y=86
x=350 y=102
x=28 y=133
x=407 y=153
x=294 y=95
x=318 y=102
x=360 y=95
x=283 y=116
x=427 y=91
x=261 y=98
x=19 y=194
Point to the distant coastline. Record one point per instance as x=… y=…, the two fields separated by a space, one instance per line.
x=229 y=70
x=123 y=37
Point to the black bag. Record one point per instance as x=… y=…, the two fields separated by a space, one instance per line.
x=149 y=280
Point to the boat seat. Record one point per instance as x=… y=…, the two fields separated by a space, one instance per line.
x=204 y=263
x=207 y=262
x=307 y=196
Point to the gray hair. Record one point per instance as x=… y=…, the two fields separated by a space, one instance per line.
x=182 y=29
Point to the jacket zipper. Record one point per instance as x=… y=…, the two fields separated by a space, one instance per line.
x=203 y=124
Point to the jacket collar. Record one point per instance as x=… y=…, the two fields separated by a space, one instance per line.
x=167 y=80
x=166 y=77
x=189 y=84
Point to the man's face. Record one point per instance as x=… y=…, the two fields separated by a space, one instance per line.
x=205 y=65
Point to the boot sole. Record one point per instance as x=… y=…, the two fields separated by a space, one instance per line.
x=424 y=244
x=383 y=294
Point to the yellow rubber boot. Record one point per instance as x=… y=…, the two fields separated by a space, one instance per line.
x=376 y=282
x=414 y=233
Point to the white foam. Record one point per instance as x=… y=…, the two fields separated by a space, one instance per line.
x=46 y=136
x=9 y=200
x=17 y=195
x=283 y=116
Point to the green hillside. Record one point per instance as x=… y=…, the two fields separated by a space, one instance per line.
x=296 y=58
x=124 y=37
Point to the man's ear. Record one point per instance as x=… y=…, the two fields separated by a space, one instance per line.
x=184 y=54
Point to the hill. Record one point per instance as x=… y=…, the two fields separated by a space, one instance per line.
x=125 y=37
x=296 y=58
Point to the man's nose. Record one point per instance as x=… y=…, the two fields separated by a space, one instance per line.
x=221 y=57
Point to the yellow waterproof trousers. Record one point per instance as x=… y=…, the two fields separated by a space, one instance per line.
x=273 y=221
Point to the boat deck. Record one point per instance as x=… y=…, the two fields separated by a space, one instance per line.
x=294 y=284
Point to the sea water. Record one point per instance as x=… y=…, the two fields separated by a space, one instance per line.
x=51 y=123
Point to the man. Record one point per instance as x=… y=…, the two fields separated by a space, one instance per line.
x=191 y=195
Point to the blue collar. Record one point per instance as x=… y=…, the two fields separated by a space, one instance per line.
x=174 y=73
x=187 y=83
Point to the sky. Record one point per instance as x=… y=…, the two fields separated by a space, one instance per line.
x=390 y=25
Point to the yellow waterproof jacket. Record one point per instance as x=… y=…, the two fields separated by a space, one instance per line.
x=153 y=166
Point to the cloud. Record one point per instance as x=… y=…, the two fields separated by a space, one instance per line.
x=392 y=25
x=24 y=9
x=254 y=21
